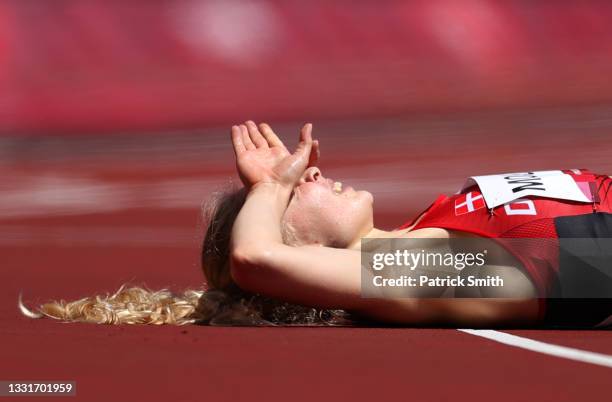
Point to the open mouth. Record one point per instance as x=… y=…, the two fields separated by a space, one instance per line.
x=337 y=187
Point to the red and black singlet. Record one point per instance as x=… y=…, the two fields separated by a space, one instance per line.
x=528 y=217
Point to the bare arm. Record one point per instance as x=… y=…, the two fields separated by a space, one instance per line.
x=329 y=277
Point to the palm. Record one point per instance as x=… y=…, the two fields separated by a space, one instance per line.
x=262 y=157
x=261 y=165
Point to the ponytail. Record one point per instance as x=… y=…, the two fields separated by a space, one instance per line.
x=128 y=305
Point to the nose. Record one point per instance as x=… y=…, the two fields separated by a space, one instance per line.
x=312 y=174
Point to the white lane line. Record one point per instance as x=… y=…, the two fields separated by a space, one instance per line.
x=56 y=194
x=599 y=359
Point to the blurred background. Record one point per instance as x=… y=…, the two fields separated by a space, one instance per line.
x=115 y=115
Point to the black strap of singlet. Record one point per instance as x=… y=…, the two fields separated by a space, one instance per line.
x=582 y=294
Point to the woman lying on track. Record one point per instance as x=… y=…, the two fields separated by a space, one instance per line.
x=286 y=249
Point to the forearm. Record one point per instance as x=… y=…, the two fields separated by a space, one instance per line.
x=258 y=225
x=262 y=263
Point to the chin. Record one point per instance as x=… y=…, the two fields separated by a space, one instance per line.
x=367 y=195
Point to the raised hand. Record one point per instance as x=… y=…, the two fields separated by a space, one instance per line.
x=261 y=157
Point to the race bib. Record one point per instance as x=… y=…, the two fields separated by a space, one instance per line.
x=500 y=189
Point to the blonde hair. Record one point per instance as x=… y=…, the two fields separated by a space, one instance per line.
x=222 y=303
x=128 y=305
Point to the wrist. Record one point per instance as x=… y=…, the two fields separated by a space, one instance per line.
x=274 y=194
x=271 y=187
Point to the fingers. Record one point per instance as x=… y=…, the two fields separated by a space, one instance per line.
x=237 y=140
x=248 y=136
x=256 y=137
x=270 y=136
x=246 y=140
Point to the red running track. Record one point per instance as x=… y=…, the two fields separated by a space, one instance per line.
x=84 y=215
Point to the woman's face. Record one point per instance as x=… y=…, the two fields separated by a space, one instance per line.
x=328 y=213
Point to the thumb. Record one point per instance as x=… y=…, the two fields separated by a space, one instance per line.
x=313 y=159
x=305 y=145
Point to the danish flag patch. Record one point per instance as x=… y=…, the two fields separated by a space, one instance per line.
x=469 y=202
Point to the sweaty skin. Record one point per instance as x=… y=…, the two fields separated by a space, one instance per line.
x=325 y=212
x=290 y=198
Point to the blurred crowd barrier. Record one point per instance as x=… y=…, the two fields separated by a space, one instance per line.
x=109 y=66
